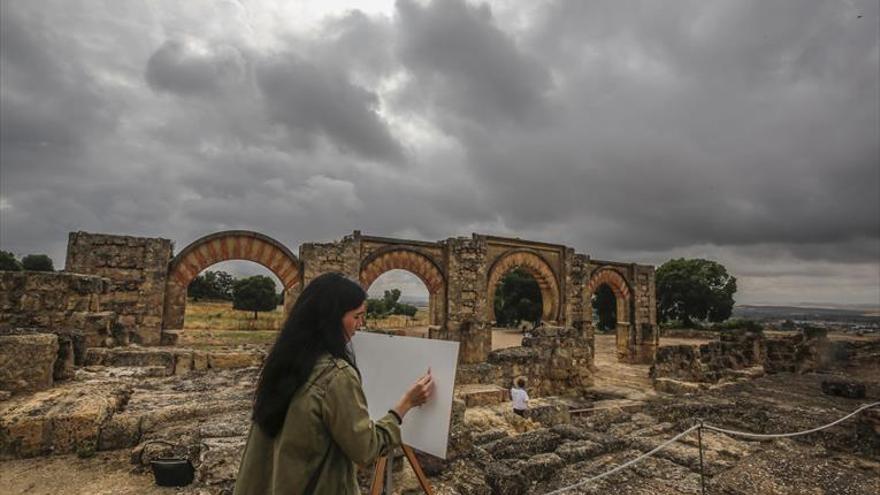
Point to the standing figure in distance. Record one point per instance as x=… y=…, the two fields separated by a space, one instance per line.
x=519 y=397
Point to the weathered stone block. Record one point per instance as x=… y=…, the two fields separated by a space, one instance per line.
x=60 y=420
x=491 y=435
x=27 y=362
x=548 y=412
x=481 y=395
x=540 y=467
x=506 y=481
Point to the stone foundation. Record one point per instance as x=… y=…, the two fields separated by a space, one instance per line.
x=738 y=351
x=173 y=361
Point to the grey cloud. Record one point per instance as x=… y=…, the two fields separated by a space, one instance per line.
x=184 y=67
x=740 y=130
x=466 y=65
x=320 y=101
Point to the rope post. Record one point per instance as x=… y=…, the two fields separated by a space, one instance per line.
x=700 y=443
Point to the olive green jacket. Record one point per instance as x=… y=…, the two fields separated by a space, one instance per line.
x=326 y=431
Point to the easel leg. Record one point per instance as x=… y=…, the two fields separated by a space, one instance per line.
x=378 y=476
x=417 y=468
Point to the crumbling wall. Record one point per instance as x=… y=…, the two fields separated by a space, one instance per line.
x=739 y=349
x=807 y=350
x=66 y=304
x=137 y=268
x=553 y=360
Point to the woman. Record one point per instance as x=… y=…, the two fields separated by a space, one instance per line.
x=519 y=397
x=310 y=421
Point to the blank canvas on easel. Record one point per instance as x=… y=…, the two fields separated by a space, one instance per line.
x=390 y=364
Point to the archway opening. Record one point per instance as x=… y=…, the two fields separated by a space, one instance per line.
x=604 y=309
x=399 y=302
x=233 y=302
x=518 y=307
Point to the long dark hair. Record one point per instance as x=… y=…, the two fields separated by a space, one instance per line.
x=314 y=327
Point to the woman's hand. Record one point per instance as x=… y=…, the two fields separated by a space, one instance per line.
x=418 y=394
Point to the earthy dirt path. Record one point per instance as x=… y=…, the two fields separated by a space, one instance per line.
x=104 y=474
x=628 y=381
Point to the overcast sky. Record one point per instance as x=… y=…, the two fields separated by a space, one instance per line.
x=744 y=131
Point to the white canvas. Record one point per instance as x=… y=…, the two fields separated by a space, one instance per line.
x=390 y=364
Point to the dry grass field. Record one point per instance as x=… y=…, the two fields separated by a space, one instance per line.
x=209 y=324
x=213 y=324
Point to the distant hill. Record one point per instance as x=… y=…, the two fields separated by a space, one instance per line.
x=415 y=301
x=828 y=313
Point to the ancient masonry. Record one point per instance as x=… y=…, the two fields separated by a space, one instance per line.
x=143 y=284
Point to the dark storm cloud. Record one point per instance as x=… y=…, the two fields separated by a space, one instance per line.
x=725 y=122
x=313 y=100
x=466 y=65
x=740 y=130
x=179 y=67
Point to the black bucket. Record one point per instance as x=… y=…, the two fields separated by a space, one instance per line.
x=171 y=471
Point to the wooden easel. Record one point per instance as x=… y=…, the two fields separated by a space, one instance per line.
x=380 y=472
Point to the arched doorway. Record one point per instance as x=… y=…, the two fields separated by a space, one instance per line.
x=212 y=305
x=415 y=263
x=603 y=281
x=518 y=307
x=604 y=309
x=399 y=301
x=225 y=246
x=540 y=270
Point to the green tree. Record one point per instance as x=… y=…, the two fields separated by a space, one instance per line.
x=37 y=263
x=389 y=305
x=211 y=285
x=255 y=294
x=694 y=289
x=517 y=298
x=8 y=262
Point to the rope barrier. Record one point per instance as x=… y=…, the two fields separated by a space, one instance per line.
x=788 y=435
x=699 y=427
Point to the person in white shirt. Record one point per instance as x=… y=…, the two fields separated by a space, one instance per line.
x=519 y=397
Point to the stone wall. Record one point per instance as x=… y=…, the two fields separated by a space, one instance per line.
x=578 y=310
x=57 y=302
x=553 y=360
x=457 y=269
x=342 y=257
x=740 y=349
x=466 y=303
x=137 y=268
x=807 y=350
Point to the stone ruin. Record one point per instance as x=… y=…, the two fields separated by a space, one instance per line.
x=553 y=360
x=741 y=354
x=120 y=295
x=103 y=331
x=117 y=290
